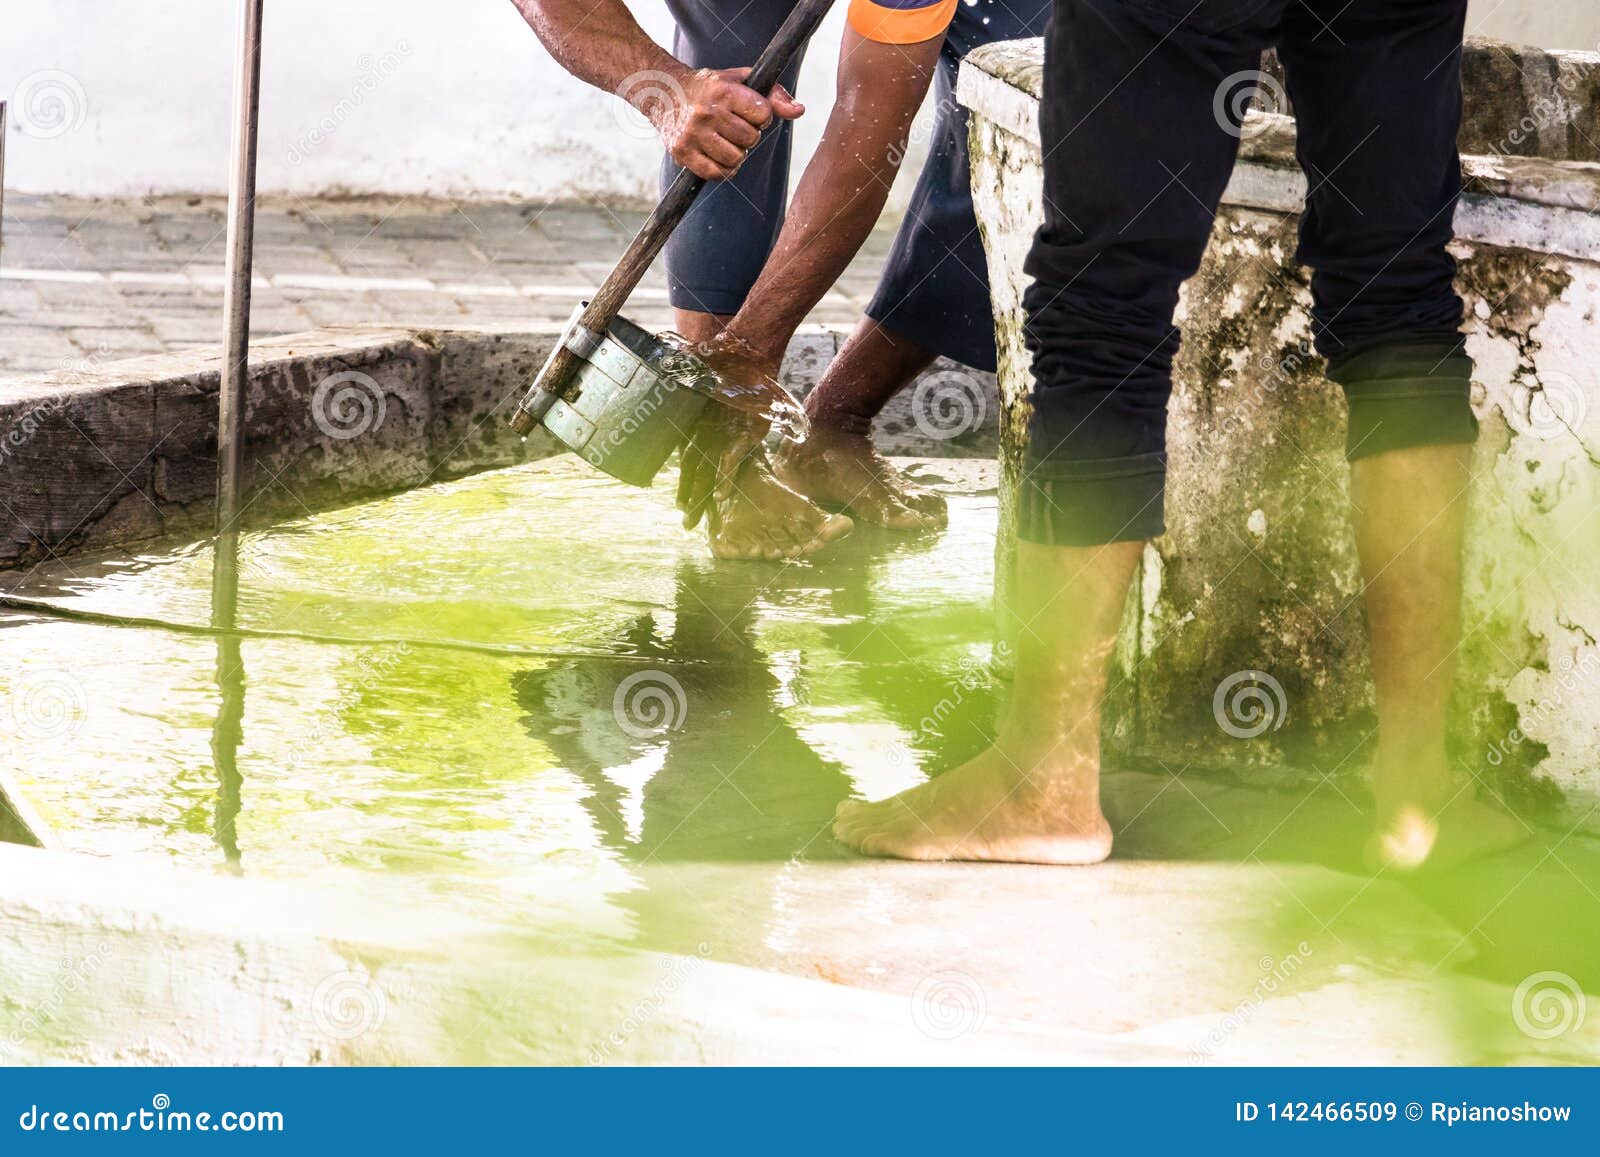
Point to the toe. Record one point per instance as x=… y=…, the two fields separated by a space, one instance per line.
x=736 y=546
x=846 y=834
x=833 y=528
x=781 y=543
x=885 y=843
x=932 y=507
x=847 y=820
x=855 y=820
x=887 y=510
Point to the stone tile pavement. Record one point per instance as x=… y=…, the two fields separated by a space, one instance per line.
x=90 y=280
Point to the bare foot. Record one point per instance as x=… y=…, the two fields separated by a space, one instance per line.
x=991 y=808
x=1428 y=820
x=763 y=518
x=841 y=468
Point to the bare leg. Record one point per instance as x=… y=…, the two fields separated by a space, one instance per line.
x=698 y=327
x=1034 y=797
x=1409 y=513
x=837 y=464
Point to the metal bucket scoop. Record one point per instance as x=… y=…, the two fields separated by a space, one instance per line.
x=621 y=398
x=630 y=400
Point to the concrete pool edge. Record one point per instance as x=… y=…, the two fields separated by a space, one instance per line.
x=113 y=453
x=143 y=963
x=102 y=958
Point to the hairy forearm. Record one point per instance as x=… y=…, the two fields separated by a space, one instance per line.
x=708 y=119
x=841 y=194
x=839 y=199
x=597 y=41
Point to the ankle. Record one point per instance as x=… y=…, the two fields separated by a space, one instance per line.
x=1413 y=774
x=1040 y=755
x=835 y=415
x=1060 y=782
x=1421 y=753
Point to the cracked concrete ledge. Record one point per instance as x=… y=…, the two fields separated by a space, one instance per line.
x=1258 y=570
x=126 y=450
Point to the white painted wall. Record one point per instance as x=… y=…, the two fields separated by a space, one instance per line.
x=395 y=96
x=403 y=96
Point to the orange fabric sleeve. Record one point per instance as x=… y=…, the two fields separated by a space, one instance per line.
x=889 y=25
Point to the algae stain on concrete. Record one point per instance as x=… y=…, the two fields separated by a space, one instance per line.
x=1258 y=569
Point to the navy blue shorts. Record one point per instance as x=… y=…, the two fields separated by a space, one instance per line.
x=935 y=287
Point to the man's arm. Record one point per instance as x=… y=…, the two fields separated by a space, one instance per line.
x=843 y=190
x=882 y=79
x=707 y=118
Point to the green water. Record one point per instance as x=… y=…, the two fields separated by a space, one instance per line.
x=531 y=700
x=502 y=783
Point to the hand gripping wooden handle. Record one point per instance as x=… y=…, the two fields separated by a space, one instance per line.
x=669 y=211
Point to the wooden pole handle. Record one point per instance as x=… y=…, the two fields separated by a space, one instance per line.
x=674 y=204
x=774 y=60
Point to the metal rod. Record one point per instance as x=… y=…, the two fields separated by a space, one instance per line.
x=236 y=304
x=2 y=178
x=227 y=732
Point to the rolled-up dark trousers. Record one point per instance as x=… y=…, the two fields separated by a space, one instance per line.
x=1140 y=125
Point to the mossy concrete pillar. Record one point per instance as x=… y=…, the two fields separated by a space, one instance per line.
x=1245 y=646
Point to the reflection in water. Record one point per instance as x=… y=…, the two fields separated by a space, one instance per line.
x=756 y=699
x=228 y=730
x=766 y=696
x=226 y=736
x=691 y=756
